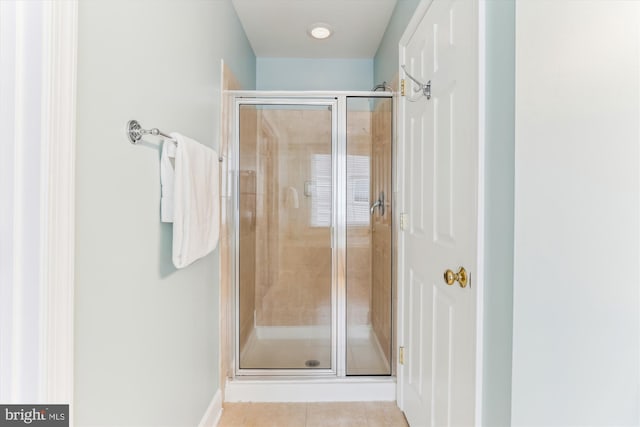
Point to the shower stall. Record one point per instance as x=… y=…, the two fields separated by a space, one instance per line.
x=311 y=234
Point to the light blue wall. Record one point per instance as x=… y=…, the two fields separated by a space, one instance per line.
x=146 y=335
x=385 y=65
x=314 y=74
x=499 y=211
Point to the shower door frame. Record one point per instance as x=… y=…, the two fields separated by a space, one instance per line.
x=338 y=103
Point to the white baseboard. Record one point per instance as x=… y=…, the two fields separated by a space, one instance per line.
x=213 y=413
x=311 y=390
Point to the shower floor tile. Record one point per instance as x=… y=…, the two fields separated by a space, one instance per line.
x=363 y=355
x=364 y=358
x=285 y=353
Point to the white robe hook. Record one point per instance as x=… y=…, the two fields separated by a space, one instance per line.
x=425 y=88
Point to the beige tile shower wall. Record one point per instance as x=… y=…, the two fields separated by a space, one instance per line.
x=293 y=258
x=359 y=140
x=381 y=294
x=247 y=222
x=293 y=286
x=266 y=202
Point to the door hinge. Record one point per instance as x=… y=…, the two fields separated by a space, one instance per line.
x=403 y=221
x=402 y=87
x=401 y=355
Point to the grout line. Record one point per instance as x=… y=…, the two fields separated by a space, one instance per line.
x=306 y=413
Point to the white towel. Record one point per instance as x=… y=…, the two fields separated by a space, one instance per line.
x=196 y=209
x=166 y=181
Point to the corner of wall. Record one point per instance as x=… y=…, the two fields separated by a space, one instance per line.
x=213 y=413
x=385 y=62
x=499 y=211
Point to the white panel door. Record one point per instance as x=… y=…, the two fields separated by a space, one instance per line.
x=439 y=138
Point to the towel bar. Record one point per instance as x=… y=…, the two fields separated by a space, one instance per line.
x=135 y=132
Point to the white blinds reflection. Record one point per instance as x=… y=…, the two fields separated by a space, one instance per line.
x=321 y=190
x=357 y=190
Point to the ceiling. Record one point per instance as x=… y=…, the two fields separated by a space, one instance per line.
x=278 y=28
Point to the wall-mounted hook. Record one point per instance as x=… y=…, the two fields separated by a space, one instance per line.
x=425 y=88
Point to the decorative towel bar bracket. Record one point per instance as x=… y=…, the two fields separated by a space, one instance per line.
x=135 y=132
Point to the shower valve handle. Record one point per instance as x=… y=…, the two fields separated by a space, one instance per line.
x=379 y=204
x=375 y=205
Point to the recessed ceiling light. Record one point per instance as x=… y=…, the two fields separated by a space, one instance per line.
x=320 y=31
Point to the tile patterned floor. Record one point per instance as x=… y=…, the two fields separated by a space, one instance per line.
x=321 y=414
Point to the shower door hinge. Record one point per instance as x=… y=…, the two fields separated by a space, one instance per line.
x=402 y=87
x=401 y=355
x=403 y=221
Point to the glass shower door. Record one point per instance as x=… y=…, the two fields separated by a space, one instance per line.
x=369 y=238
x=284 y=215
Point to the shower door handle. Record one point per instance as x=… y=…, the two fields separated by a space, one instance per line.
x=379 y=204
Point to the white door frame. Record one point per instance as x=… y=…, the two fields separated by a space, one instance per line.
x=417 y=17
x=58 y=246
x=54 y=161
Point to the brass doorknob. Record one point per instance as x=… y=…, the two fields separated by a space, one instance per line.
x=461 y=277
